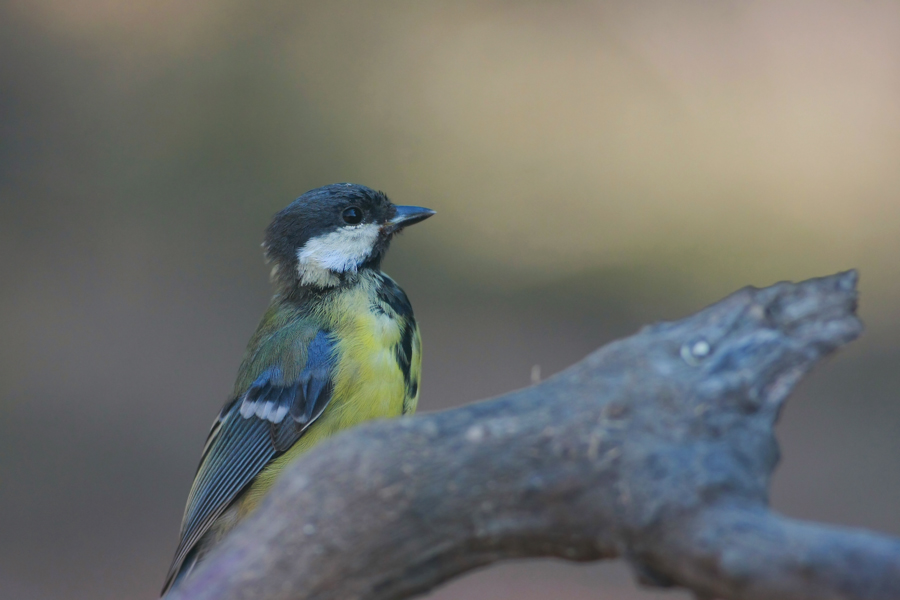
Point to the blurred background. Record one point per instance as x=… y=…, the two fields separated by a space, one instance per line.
x=595 y=166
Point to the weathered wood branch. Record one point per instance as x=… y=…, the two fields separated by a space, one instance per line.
x=657 y=448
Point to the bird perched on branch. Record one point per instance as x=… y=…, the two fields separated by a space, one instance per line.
x=337 y=346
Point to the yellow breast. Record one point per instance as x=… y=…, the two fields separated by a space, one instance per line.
x=368 y=382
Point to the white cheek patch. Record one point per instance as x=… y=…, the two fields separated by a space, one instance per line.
x=322 y=257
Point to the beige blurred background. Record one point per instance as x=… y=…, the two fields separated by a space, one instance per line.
x=594 y=165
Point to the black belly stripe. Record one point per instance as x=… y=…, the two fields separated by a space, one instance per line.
x=391 y=301
x=391 y=294
x=403 y=352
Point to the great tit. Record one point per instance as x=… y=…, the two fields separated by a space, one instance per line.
x=337 y=346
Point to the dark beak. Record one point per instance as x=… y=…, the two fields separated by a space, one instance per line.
x=407 y=215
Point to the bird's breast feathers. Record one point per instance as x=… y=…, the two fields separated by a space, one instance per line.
x=377 y=364
x=378 y=351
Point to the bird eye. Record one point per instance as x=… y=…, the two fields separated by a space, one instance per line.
x=352 y=215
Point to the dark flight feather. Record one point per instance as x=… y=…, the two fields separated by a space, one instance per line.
x=249 y=434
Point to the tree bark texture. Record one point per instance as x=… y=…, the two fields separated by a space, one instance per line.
x=657 y=448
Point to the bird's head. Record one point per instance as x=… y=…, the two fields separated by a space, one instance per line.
x=331 y=233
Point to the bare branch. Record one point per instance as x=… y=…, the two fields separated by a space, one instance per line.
x=657 y=448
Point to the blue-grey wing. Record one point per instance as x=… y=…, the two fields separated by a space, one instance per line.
x=304 y=399
x=251 y=430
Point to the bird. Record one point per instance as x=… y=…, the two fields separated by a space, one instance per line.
x=337 y=346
